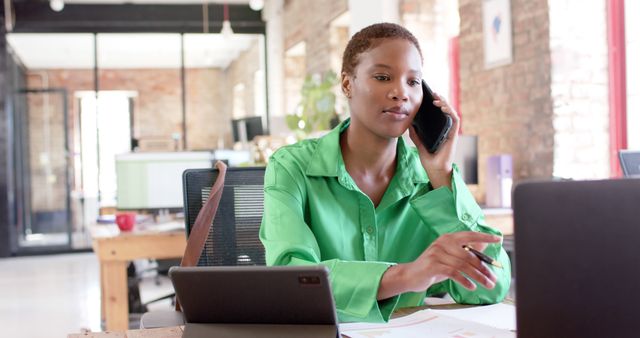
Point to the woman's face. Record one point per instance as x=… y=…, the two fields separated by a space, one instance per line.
x=385 y=87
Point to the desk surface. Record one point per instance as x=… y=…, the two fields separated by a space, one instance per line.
x=111 y=244
x=114 y=250
x=176 y=331
x=165 y=332
x=500 y=218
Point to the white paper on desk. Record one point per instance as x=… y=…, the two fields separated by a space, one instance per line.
x=425 y=323
x=166 y=227
x=502 y=316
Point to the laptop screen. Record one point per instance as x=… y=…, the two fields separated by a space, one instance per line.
x=255 y=294
x=576 y=253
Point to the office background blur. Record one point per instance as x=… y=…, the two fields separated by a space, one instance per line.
x=85 y=81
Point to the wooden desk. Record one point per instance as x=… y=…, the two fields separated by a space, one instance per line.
x=176 y=331
x=114 y=250
x=500 y=218
x=165 y=332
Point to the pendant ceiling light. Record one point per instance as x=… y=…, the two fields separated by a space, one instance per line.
x=8 y=16
x=226 y=24
x=205 y=17
x=56 y=5
x=256 y=5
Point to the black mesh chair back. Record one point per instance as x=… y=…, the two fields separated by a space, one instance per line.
x=233 y=238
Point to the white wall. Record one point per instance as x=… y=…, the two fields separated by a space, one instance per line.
x=272 y=14
x=579 y=88
x=632 y=28
x=367 y=12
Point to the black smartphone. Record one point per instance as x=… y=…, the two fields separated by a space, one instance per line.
x=430 y=123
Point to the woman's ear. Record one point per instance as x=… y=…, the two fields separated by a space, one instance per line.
x=345 y=83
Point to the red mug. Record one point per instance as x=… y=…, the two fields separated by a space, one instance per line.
x=126 y=220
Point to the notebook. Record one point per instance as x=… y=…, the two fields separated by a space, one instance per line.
x=576 y=252
x=255 y=301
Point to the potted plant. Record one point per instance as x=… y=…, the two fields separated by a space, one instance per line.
x=317 y=108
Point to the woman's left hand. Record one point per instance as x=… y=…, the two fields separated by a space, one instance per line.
x=439 y=166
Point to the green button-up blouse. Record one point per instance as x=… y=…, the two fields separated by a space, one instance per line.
x=315 y=214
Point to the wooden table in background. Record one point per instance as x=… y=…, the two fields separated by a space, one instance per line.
x=165 y=332
x=500 y=218
x=115 y=250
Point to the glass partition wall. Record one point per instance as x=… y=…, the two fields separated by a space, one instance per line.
x=92 y=97
x=215 y=67
x=139 y=101
x=45 y=178
x=46 y=199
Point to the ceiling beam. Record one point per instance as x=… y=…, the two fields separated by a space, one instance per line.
x=37 y=17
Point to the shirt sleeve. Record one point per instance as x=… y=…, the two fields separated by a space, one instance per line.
x=288 y=240
x=447 y=210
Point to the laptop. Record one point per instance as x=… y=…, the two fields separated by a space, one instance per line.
x=630 y=162
x=255 y=301
x=577 y=248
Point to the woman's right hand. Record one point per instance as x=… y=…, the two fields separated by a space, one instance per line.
x=444 y=259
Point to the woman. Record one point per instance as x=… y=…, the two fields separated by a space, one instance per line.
x=389 y=221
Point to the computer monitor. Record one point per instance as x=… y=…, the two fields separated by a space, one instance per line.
x=576 y=258
x=630 y=162
x=245 y=129
x=149 y=180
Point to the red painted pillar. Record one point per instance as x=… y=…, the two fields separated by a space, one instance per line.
x=617 y=83
x=454 y=76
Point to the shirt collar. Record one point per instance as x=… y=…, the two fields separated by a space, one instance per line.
x=327 y=158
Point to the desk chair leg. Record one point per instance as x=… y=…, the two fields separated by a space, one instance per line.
x=103 y=299
x=115 y=293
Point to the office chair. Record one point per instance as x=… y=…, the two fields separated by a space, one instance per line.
x=233 y=238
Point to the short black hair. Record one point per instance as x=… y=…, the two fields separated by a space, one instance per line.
x=365 y=40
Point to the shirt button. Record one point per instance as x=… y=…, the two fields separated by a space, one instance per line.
x=369 y=230
x=466 y=217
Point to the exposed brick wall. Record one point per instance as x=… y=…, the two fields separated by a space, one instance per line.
x=157 y=113
x=339 y=38
x=294 y=78
x=294 y=15
x=310 y=21
x=324 y=44
x=71 y=80
x=208 y=113
x=46 y=156
x=430 y=22
x=242 y=70
x=46 y=144
x=509 y=107
x=579 y=87
x=157 y=109
x=158 y=105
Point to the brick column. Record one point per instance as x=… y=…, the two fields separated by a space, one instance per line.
x=312 y=29
x=509 y=107
x=579 y=88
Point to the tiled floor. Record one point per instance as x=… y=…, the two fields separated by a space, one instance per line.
x=52 y=296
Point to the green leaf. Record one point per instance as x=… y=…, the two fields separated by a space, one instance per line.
x=317 y=104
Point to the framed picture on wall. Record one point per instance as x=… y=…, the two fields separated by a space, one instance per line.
x=496 y=22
